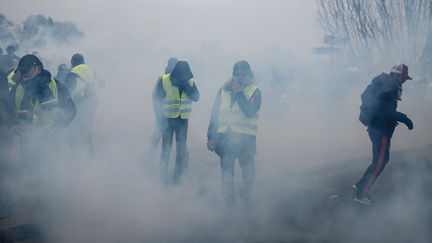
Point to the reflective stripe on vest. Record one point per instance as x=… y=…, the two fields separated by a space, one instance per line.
x=176 y=105
x=233 y=117
x=85 y=78
x=36 y=114
x=10 y=80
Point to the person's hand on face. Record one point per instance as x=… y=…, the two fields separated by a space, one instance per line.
x=240 y=80
x=29 y=74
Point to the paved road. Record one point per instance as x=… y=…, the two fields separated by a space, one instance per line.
x=309 y=205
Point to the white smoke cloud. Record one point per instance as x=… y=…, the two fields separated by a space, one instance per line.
x=114 y=199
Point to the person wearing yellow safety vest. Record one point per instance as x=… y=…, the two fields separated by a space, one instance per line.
x=157 y=133
x=158 y=112
x=173 y=97
x=81 y=83
x=233 y=128
x=7 y=118
x=43 y=108
x=7 y=122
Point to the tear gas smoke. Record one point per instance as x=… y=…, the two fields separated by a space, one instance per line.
x=310 y=143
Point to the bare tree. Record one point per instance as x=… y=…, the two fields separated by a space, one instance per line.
x=380 y=29
x=37 y=31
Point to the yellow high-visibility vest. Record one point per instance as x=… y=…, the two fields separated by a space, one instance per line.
x=176 y=104
x=86 y=78
x=10 y=80
x=36 y=115
x=233 y=117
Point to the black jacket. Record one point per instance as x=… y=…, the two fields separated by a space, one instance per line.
x=383 y=95
x=38 y=89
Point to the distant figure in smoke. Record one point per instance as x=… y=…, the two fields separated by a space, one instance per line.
x=43 y=107
x=378 y=113
x=62 y=72
x=1 y=52
x=160 y=116
x=9 y=64
x=233 y=128
x=7 y=119
x=7 y=61
x=173 y=97
x=81 y=82
x=7 y=122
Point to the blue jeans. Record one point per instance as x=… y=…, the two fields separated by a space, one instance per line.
x=179 y=127
x=247 y=164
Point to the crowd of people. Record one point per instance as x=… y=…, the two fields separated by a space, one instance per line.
x=44 y=111
x=36 y=105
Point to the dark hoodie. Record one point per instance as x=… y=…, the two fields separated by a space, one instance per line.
x=38 y=88
x=383 y=94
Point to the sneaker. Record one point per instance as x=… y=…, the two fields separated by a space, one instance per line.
x=365 y=200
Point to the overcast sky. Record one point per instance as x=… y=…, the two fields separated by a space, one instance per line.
x=241 y=25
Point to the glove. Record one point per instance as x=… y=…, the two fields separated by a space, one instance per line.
x=407 y=122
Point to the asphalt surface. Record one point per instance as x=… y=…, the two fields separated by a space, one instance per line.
x=309 y=205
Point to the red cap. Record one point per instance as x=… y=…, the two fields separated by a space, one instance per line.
x=401 y=69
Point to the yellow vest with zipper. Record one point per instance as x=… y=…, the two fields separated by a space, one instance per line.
x=233 y=117
x=176 y=104
x=36 y=115
x=86 y=78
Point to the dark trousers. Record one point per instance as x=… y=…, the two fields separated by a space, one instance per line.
x=153 y=147
x=230 y=147
x=179 y=127
x=247 y=164
x=380 y=157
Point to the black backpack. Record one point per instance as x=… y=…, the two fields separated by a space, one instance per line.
x=369 y=99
